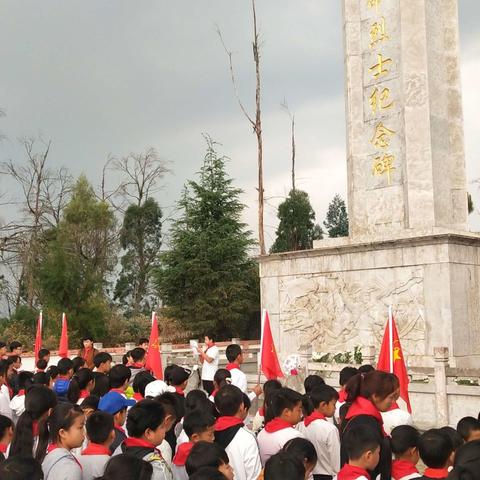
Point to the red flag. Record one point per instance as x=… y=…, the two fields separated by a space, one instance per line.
x=38 y=336
x=391 y=358
x=154 y=359
x=269 y=360
x=63 y=348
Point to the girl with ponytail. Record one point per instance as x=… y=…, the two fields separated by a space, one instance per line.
x=31 y=433
x=81 y=384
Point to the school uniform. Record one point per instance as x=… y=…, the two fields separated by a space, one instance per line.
x=241 y=447
x=435 y=473
x=274 y=436
x=179 y=460
x=93 y=460
x=17 y=405
x=239 y=379
x=5 y=408
x=135 y=369
x=403 y=470
x=350 y=472
x=3 y=452
x=326 y=440
x=209 y=369
x=61 y=464
x=342 y=398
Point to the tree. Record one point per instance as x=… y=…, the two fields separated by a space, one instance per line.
x=207 y=280
x=337 y=218
x=141 y=238
x=296 y=229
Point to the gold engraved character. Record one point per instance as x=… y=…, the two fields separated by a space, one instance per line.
x=374 y=4
x=378 y=100
x=382 y=136
x=378 y=32
x=379 y=67
x=383 y=164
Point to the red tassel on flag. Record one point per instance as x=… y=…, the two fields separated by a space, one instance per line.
x=391 y=358
x=269 y=360
x=154 y=359
x=63 y=348
x=38 y=336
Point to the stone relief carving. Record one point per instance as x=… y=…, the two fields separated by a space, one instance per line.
x=415 y=90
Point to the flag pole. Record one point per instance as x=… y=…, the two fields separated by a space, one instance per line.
x=262 y=323
x=390 y=336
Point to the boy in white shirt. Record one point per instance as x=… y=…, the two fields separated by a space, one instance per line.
x=234 y=356
x=209 y=358
x=286 y=406
x=324 y=435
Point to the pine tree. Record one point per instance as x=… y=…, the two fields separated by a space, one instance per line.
x=207 y=280
x=337 y=218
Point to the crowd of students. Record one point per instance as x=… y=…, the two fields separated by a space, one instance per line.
x=86 y=419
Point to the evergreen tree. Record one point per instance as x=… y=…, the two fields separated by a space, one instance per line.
x=141 y=238
x=207 y=280
x=296 y=229
x=337 y=218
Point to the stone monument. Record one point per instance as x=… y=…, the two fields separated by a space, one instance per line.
x=409 y=244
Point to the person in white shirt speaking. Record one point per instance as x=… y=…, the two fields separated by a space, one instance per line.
x=209 y=359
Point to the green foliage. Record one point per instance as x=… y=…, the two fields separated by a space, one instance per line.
x=337 y=218
x=141 y=239
x=207 y=280
x=296 y=230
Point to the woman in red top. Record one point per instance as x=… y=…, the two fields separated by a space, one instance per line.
x=87 y=352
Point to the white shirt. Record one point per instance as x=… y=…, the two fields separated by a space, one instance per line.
x=270 y=443
x=5 y=402
x=239 y=379
x=394 y=418
x=209 y=369
x=244 y=456
x=326 y=440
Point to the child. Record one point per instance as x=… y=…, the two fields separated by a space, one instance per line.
x=222 y=377
x=78 y=363
x=286 y=407
x=206 y=454
x=140 y=383
x=21 y=468
x=346 y=374
x=234 y=356
x=238 y=442
x=89 y=405
x=6 y=435
x=116 y=405
x=100 y=433
x=467 y=462
x=198 y=426
x=323 y=434
x=67 y=431
x=208 y=356
x=143 y=343
x=41 y=365
x=119 y=377
x=263 y=415
x=171 y=406
x=311 y=382
x=4 y=390
x=305 y=451
x=81 y=384
x=17 y=404
x=436 y=452
x=127 y=467
x=469 y=429
x=404 y=441
x=62 y=382
x=138 y=365
x=102 y=362
x=146 y=430
x=44 y=354
x=42 y=378
x=362 y=445
x=285 y=466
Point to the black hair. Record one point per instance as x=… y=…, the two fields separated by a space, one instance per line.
x=232 y=352
x=101 y=357
x=125 y=358
x=52 y=370
x=78 y=363
x=14 y=358
x=220 y=377
x=99 y=426
x=3 y=368
x=87 y=337
x=127 y=467
x=79 y=382
x=102 y=384
x=282 y=399
x=91 y=401
x=207 y=473
x=246 y=401
x=211 y=336
x=228 y=400
x=138 y=354
x=455 y=437
x=143 y=415
x=21 y=467
x=64 y=365
x=467 y=462
x=403 y=438
x=171 y=404
x=24 y=380
x=269 y=387
x=179 y=375
x=435 y=447
x=346 y=374
x=143 y=340
x=15 y=344
x=466 y=426
x=5 y=423
x=367 y=368
x=316 y=396
x=285 y=466
x=303 y=449
x=168 y=372
x=2 y=344
x=197 y=421
x=372 y=383
x=41 y=364
x=140 y=382
x=360 y=439
x=38 y=401
x=41 y=378
x=197 y=400
x=313 y=381
x=62 y=417
x=119 y=374
x=205 y=454
x=43 y=352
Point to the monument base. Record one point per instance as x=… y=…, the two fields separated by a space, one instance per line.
x=335 y=297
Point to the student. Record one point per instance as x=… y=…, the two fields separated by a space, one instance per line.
x=311 y=382
x=454 y=436
x=5 y=408
x=206 y=454
x=304 y=450
x=263 y=415
x=102 y=362
x=16 y=348
x=65 y=373
x=42 y=378
x=171 y=405
x=346 y=374
x=285 y=466
x=52 y=370
x=6 y=435
x=469 y=429
x=144 y=343
x=467 y=462
x=78 y=363
x=116 y=405
x=238 y=442
x=197 y=400
x=119 y=377
x=362 y=446
x=209 y=356
x=127 y=467
x=146 y=430
x=368 y=396
x=31 y=432
x=17 y=404
x=102 y=384
x=44 y=354
x=67 y=431
x=21 y=468
x=323 y=434
x=89 y=405
x=198 y=426
x=100 y=433
x=142 y=379
x=286 y=406
x=222 y=377
x=234 y=356
x=436 y=452
x=3 y=351
x=88 y=352
x=41 y=365
x=404 y=441
x=179 y=378
x=207 y=473
x=138 y=365
x=81 y=385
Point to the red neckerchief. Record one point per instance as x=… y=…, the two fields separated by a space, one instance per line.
x=63 y=377
x=208 y=348
x=435 y=473
x=139 y=442
x=118 y=390
x=3 y=448
x=402 y=468
x=137 y=396
x=314 y=416
x=179 y=391
x=183 y=451
x=10 y=389
x=21 y=393
x=232 y=366
x=277 y=424
x=120 y=429
x=137 y=365
x=225 y=422
x=215 y=391
x=351 y=472
x=35 y=429
x=96 y=449
x=394 y=407
x=363 y=406
x=86 y=352
x=261 y=411
x=84 y=394
x=54 y=446
x=342 y=396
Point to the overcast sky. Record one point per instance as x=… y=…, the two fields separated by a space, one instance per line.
x=115 y=76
